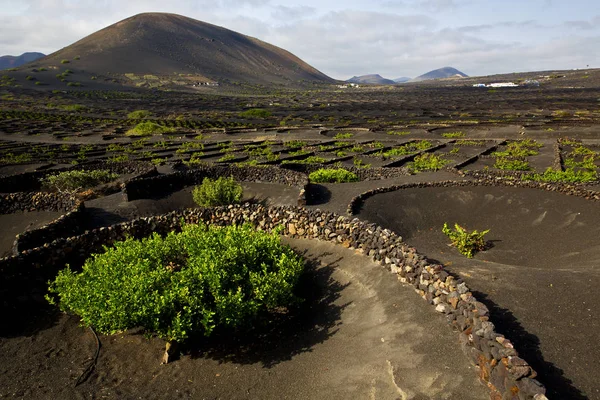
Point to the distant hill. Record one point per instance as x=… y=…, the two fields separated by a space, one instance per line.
x=373 y=79
x=402 y=80
x=17 y=61
x=174 y=45
x=442 y=73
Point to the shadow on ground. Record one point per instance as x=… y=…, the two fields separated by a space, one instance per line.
x=317 y=195
x=558 y=386
x=278 y=337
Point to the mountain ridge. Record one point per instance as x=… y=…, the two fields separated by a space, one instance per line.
x=16 y=61
x=167 y=44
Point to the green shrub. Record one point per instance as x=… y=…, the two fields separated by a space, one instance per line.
x=148 y=128
x=339 y=175
x=408 y=148
x=294 y=144
x=218 y=192
x=256 y=113
x=74 y=180
x=453 y=135
x=428 y=162
x=64 y=61
x=183 y=284
x=341 y=135
x=567 y=176
x=508 y=164
x=139 y=114
x=307 y=160
x=467 y=243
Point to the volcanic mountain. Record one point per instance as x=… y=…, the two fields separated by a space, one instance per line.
x=373 y=79
x=446 y=72
x=169 y=44
x=17 y=61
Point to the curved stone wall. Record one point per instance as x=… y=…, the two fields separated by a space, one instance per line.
x=26 y=181
x=148 y=187
x=486 y=180
x=498 y=363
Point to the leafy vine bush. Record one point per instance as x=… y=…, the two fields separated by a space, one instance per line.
x=256 y=113
x=428 y=162
x=467 y=243
x=184 y=284
x=74 y=180
x=220 y=192
x=570 y=175
x=148 y=128
x=508 y=164
x=139 y=114
x=339 y=175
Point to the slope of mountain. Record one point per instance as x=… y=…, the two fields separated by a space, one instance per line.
x=372 y=79
x=170 y=44
x=446 y=72
x=402 y=80
x=17 y=61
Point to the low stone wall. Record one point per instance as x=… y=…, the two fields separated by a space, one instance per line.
x=149 y=187
x=572 y=190
x=30 y=181
x=499 y=366
x=36 y=201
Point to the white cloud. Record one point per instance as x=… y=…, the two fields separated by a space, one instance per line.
x=392 y=38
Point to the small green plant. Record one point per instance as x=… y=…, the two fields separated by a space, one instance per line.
x=341 y=135
x=64 y=61
x=467 y=243
x=409 y=148
x=220 y=192
x=160 y=145
x=11 y=158
x=339 y=175
x=118 y=158
x=255 y=113
x=570 y=175
x=307 y=160
x=195 y=160
x=148 y=128
x=358 y=163
x=294 y=144
x=76 y=180
x=453 y=135
x=226 y=157
x=139 y=114
x=158 y=161
x=428 y=162
x=183 y=284
x=508 y=164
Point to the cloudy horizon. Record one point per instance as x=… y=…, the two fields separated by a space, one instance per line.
x=344 y=39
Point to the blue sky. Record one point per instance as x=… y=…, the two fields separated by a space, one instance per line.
x=346 y=38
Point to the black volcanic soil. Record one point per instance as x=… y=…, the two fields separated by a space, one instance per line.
x=14 y=224
x=359 y=334
x=539 y=277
